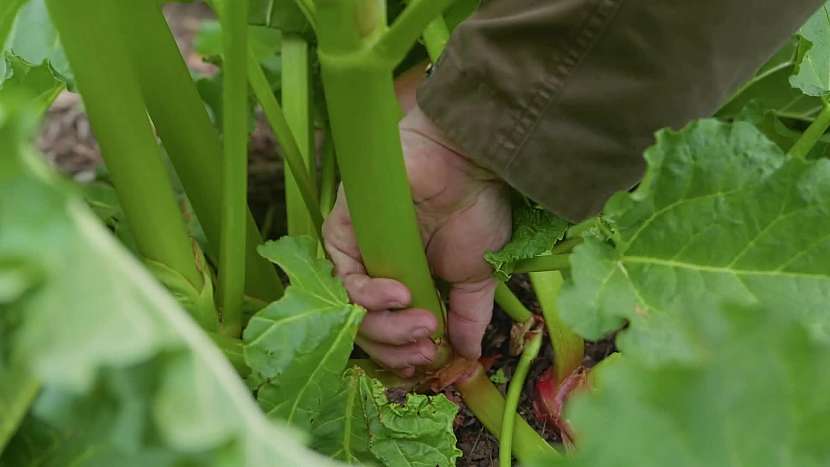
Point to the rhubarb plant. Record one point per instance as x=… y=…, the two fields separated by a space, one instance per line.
x=127 y=304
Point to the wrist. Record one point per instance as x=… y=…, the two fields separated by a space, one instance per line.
x=417 y=121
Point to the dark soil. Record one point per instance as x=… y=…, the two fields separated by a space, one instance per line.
x=68 y=144
x=479 y=446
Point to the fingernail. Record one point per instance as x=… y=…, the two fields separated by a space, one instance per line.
x=420 y=333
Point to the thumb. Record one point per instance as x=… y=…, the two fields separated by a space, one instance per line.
x=471 y=307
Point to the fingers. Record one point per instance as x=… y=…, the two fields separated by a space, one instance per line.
x=339 y=239
x=400 y=357
x=398 y=327
x=471 y=307
x=376 y=294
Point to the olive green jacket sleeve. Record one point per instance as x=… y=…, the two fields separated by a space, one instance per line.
x=560 y=97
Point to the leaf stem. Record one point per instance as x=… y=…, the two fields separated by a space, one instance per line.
x=394 y=43
x=296 y=102
x=290 y=148
x=370 y=156
x=234 y=179
x=511 y=305
x=185 y=129
x=543 y=263
x=511 y=403
x=99 y=59
x=487 y=403
x=568 y=347
x=811 y=136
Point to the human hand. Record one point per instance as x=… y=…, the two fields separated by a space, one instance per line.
x=463 y=211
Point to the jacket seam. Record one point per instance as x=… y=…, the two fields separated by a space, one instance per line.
x=563 y=65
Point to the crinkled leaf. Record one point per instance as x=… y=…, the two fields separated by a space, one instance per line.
x=812 y=74
x=535 y=232
x=416 y=433
x=300 y=344
x=722 y=215
x=128 y=378
x=35 y=41
x=363 y=425
x=758 y=394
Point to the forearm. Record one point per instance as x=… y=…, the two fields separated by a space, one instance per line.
x=560 y=98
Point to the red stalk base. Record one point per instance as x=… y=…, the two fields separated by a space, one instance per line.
x=550 y=398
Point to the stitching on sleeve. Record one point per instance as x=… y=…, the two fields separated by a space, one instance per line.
x=564 y=61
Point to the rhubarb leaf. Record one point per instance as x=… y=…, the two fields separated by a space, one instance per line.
x=722 y=215
x=127 y=377
x=300 y=345
x=758 y=394
x=812 y=73
x=417 y=433
x=341 y=431
x=535 y=232
x=362 y=425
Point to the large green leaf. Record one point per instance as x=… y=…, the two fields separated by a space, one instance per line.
x=360 y=425
x=535 y=232
x=128 y=378
x=756 y=394
x=300 y=345
x=812 y=74
x=722 y=215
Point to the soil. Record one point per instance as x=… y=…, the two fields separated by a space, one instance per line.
x=68 y=144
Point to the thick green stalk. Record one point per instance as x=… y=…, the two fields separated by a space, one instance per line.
x=511 y=404
x=185 y=129
x=543 y=263
x=328 y=176
x=487 y=403
x=234 y=178
x=511 y=305
x=113 y=101
x=568 y=347
x=291 y=152
x=394 y=44
x=814 y=132
x=296 y=102
x=364 y=114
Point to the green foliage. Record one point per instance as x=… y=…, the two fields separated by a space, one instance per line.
x=771 y=89
x=755 y=393
x=361 y=425
x=721 y=216
x=770 y=123
x=299 y=345
x=535 y=232
x=127 y=377
x=33 y=52
x=812 y=74
x=283 y=15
